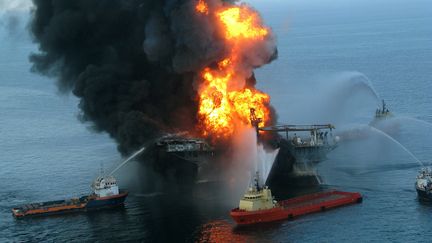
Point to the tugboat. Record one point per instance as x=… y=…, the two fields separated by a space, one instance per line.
x=383 y=112
x=423 y=184
x=259 y=206
x=383 y=120
x=106 y=194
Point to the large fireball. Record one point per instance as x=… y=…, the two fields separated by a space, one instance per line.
x=224 y=99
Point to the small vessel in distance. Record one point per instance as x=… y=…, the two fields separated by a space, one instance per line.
x=423 y=184
x=259 y=206
x=383 y=120
x=106 y=193
x=382 y=113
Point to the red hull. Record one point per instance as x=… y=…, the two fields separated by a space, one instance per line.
x=297 y=206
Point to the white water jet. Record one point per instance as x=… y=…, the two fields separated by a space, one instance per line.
x=396 y=142
x=425 y=123
x=251 y=157
x=342 y=97
x=318 y=178
x=127 y=160
x=242 y=167
x=265 y=161
x=347 y=99
x=357 y=80
x=358 y=129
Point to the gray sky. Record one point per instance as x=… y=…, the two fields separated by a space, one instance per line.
x=6 y=5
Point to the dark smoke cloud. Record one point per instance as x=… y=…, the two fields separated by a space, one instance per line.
x=132 y=63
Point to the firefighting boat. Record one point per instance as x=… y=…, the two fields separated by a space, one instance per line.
x=381 y=114
x=106 y=194
x=423 y=184
x=259 y=206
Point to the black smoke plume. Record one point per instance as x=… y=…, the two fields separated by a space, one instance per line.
x=132 y=63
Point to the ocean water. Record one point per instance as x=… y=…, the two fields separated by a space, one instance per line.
x=337 y=59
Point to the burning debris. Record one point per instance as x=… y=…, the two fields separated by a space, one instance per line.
x=143 y=68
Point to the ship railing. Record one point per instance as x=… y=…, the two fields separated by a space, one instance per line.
x=308 y=145
x=297 y=128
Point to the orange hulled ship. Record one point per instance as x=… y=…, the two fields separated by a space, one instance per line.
x=106 y=193
x=258 y=205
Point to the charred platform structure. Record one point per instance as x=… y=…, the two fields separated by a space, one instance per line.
x=187 y=159
x=184 y=159
x=299 y=153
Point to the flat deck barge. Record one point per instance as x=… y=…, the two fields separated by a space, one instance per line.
x=319 y=202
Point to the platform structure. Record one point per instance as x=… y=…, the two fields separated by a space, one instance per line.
x=308 y=143
x=318 y=133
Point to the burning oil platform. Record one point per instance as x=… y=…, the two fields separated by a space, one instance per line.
x=301 y=148
x=183 y=66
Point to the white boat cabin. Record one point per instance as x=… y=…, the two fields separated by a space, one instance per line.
x=105 y=186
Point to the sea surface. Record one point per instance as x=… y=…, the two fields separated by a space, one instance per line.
x=337 y=60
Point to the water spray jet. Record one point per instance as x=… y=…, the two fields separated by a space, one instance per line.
x=133 y=156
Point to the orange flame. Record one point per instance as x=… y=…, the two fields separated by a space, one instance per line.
x=240 y=23
x=202 y=7
x=221 y=106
